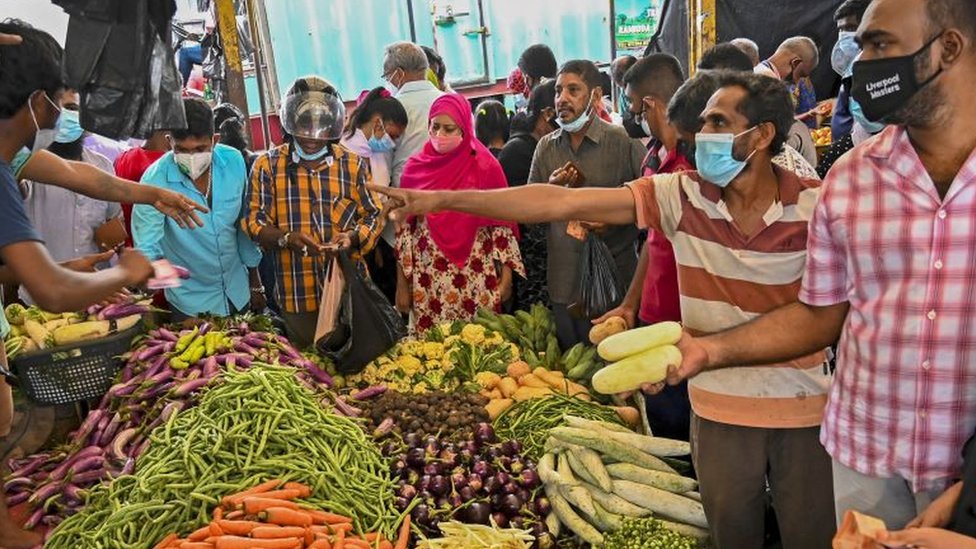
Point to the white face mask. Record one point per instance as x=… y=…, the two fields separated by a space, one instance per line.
x=193 y=164
x=44 y=137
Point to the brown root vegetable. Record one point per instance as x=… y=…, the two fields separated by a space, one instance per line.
x=612 y=326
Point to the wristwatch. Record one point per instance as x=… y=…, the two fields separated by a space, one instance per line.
x=283 y=240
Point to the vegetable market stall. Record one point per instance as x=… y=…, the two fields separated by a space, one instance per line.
x=478 y=434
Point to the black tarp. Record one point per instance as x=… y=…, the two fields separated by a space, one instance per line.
x=117 y=56
x=672 y=34
x=767 y=22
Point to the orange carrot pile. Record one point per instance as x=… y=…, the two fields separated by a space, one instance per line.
x=268 y=517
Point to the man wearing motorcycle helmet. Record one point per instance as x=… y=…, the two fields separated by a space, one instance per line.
x=309 y=199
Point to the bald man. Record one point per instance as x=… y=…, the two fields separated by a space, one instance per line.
x=795 y=58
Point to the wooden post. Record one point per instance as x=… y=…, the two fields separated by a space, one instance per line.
x=233 y=70
x=701 y=26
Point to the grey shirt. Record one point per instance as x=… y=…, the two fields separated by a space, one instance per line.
x=607 y=157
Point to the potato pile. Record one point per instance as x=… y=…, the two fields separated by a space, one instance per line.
x=524 y=383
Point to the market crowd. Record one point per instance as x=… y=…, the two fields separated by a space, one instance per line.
x=828 y=362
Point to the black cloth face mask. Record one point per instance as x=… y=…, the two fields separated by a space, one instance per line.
x=883 y=86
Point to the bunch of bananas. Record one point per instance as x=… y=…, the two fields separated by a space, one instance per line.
x=580 y=362
x=534 y=331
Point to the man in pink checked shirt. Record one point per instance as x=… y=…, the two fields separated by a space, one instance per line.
x=891 y=270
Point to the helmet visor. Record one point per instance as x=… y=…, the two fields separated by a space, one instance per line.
x=313 y=115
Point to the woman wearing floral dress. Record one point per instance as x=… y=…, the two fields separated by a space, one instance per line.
x=451 y=264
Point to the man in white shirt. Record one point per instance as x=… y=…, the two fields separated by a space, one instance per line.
x=405 y=75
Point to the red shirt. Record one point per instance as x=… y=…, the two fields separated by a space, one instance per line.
x=131 y=165
x=903 y=401
x=659 y=298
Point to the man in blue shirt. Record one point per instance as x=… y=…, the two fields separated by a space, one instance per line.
x=222 y=260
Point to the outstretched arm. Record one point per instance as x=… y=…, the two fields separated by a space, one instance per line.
x=786 y=333
x=57 y=289
x=82 y=178
x=528 y=204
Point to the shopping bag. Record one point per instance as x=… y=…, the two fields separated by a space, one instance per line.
x=599 y=287
x=370 y=326
x=858 y=532
x=329 y=307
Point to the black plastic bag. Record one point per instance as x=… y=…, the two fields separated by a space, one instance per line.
x=599 y=283
x=368 y=325
x=117 y=56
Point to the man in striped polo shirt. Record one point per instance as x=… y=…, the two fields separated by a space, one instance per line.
x=739 y=230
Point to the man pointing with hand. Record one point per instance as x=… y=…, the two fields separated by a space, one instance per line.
x=739 y=230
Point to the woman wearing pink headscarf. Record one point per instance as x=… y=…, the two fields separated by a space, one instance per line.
x=451 y=264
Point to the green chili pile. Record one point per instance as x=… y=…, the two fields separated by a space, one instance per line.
x=529 y=421
x=257 y=425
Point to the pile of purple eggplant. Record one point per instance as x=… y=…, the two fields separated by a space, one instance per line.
x=473 y=481
x=121 y=309
x=149 y=391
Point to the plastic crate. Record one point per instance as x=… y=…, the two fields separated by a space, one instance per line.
x=72 y=373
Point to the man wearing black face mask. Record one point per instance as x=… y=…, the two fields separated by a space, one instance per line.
x=890 y=270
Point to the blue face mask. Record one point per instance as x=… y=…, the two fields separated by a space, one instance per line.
x=20 y=158
x=858 y=114
x=69 y=127
x=844 y=53
x=311 y=157
x=381 y=145
x=521 y=102
x=714 y=157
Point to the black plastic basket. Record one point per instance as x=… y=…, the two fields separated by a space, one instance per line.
x=72 y=373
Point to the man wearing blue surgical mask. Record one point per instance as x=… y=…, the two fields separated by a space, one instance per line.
x=739 y=230
x=848 y=17
x=68 y=221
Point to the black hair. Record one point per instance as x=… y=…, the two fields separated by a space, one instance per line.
x=619 y=68
x=542 y=97
x=947 y=14
x=687 y=104
x=766 y=100
x=227 y=111
x=852 y=8
x=389 y=109
x=658 y=75
x=725 y=56
x=586 y=70
x=538 y=61
x=34 y=64
x=199 y=119
x=436 y=63
x=491 y=121
x=232 y=135
x=606 y=86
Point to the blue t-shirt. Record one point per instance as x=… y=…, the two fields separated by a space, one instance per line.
x=15 y=226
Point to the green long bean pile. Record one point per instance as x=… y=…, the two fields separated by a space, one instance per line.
x=529 y=421
x=257 y=425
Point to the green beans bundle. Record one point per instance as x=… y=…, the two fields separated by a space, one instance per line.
x=257 y=425
x=529 y=421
